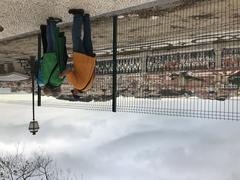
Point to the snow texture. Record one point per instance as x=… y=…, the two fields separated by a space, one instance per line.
x=106 y=146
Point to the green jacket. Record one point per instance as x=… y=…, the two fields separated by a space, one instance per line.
x=50 y=70
x=53 y=63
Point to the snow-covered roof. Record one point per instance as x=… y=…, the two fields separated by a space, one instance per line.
x=13 y=77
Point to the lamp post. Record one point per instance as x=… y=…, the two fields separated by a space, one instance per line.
x=33 y=126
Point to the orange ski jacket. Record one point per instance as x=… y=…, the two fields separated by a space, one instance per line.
x=83 y=72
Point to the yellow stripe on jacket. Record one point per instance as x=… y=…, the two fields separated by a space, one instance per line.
x=83 y=71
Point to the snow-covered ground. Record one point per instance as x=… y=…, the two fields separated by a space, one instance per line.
x=191 y=106
x=125 y=146
x=30 y=14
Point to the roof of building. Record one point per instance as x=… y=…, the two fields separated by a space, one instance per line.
x=14 y=76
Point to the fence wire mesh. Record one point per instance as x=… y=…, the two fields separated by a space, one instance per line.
x=100 y=95
x=183 y=60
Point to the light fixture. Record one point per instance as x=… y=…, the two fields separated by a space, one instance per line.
x=33 y=127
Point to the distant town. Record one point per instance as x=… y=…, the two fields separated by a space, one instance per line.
x=154 y=76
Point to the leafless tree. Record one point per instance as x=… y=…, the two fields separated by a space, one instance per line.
x=39 y=166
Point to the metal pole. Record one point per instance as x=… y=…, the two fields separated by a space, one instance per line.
x=114 y=88
x=39 y=56
x=33 y=126
x=32 y=60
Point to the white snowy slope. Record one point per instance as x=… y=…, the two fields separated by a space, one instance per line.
x=124 y=146
x=23 y=16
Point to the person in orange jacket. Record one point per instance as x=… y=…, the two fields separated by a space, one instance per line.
x=82 y=73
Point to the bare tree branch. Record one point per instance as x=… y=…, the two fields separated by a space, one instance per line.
x=41 y=166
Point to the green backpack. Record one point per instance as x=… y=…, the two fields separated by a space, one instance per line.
x=53 y=63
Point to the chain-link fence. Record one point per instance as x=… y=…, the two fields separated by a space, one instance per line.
x=182 y=60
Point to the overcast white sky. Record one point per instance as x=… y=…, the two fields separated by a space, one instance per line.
x=124 y=146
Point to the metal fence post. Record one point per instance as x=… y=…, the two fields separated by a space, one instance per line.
x=114 y=87
x=32 y=64
x=39 y=56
